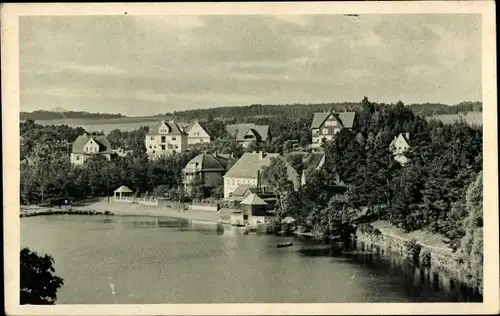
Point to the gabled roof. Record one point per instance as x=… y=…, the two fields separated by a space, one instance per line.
x=403 y=136
x=83 y=139
x=242 y=188
x=248 y=165
x=123 y=189
x=313 y=160
x=207 y=162
x=240 y=130
x=253 y=199
x=174 y=128
x=345 y=118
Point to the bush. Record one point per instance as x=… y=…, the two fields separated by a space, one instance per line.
x=413 y=250
x=425 y=258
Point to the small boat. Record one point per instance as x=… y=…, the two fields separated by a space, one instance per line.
x=286 y=244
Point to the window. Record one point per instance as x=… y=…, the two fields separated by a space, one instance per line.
x=77 y=157
x=176 y=146
x=163 y=139
x=152 y=138
x=324 y=131
x=315 y=131
x=150 y=146
x=174 y=138
x=162 y=147
x=331 y=123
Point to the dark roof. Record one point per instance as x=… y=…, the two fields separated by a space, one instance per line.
x=174 y=128
x=313 y=160
x=243 y=188
x=240 y=130
x=207 y=162
x=81 y=140
x=345 y=118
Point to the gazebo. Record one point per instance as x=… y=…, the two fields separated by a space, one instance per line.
x=123 y=191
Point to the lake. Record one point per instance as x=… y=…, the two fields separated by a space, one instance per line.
x=138 y=260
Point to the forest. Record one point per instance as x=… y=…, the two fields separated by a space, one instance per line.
x=429 y=192
x=255 y=111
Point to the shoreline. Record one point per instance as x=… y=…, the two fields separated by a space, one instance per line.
x=128 y=209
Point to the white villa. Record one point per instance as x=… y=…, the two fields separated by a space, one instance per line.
x=86 y=146
x=165 y=138
x=399 y=145
x=196 y=133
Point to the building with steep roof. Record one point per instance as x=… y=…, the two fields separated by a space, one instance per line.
x=208 y=169
x=197 y=134
x=246 y=171
x=247 y=134
x=326 y=124
x=86 y=146
x=398 y=146
x=165 y=138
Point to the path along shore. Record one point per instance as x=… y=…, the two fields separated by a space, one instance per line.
x=132 y=209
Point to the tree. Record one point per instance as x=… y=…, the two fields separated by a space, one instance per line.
x=276 y=176
x=470 y=254
x=39 y=285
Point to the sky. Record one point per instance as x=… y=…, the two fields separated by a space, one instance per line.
x=145 y=65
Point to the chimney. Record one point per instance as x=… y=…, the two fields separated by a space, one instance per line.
x=261 y=155
x=407 y=135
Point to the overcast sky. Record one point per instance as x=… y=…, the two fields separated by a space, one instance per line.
x=147 y=65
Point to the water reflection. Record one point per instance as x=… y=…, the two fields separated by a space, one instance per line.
x=421 y=283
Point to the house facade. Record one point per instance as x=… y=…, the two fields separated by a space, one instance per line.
x=196 y=133
x=326 y=125
x=165 y=138
x=208 y=169
x=246 y=171
x=250 y=134
x=399 y=145
x=86 y=146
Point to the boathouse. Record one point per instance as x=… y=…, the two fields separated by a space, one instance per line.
x=253 y=210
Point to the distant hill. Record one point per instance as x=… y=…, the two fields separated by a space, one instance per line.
x=59 y=113
x=301 y=110
x=254 y=111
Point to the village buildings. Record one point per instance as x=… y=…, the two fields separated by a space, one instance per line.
x=86 y=146
x=326 y=125
x=246 y=171
x=165 y=138
x=206 y=170
x=197 y=134
x=250 y=134
x=399 y=145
